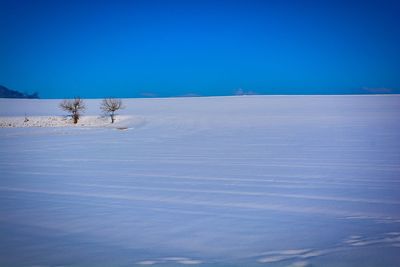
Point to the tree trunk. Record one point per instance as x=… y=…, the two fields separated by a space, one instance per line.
x=76 y=117
x=112 y=118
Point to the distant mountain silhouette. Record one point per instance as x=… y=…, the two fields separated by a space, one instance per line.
x=8 y=93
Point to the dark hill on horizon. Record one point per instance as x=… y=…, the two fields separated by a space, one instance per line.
x=8 y=93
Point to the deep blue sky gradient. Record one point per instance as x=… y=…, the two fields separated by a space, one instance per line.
x=162 y=48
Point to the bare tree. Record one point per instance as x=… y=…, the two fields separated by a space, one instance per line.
x=73 y=106
x=110 y=105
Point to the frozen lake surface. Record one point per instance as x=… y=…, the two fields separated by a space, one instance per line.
x=227 y=181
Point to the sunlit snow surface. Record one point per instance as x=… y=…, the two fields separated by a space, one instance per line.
x=232 y=181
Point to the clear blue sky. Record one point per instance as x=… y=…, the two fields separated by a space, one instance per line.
x=65 y=48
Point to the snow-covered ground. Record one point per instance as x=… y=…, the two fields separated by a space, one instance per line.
x=60 y=121
x=225 y=181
